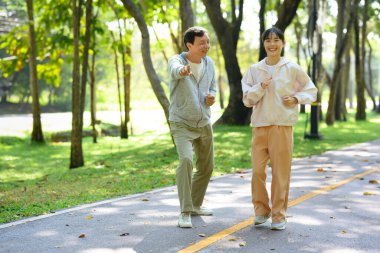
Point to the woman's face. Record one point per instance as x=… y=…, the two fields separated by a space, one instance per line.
x=273 y=45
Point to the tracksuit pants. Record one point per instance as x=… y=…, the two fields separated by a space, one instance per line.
x=192 y=186
x=274 y=143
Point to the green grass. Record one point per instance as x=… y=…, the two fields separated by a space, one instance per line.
x=35 y=179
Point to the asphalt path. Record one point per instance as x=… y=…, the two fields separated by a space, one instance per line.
x=334 y=207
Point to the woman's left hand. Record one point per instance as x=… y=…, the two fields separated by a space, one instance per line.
x=289 y=101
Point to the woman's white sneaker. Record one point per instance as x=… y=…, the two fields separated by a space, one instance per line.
x=260 y=219
x=279 y=226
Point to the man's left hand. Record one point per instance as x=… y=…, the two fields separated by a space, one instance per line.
x=210 y=100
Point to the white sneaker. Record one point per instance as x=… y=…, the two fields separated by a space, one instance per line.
x=184 y=220
x=279 y=226
x=202 y=211
x=260 y=219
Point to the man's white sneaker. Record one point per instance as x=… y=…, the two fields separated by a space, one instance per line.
x=279 y=226
x=202 y=211
x=260 y=219
x=184 y=220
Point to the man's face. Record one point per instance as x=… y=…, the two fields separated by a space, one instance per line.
x=201 y=45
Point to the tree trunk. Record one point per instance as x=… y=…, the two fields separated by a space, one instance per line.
x=220 y=78
x=145 y=49
x=76 y=155
x=369 y=86
x=345 y=77
x=118 y=83
x=124 y=64
x=37 y=135
x=286 y=13
x=187 y=18
x=228 y=34
x=93 y=91
x=127 y=82
x=330 y=115
x=262 y=53
x=340 y=109
x=359 y=67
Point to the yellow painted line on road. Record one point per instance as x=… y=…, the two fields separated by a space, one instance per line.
x=245 y=223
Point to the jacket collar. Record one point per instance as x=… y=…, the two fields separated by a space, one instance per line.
x=282 y=62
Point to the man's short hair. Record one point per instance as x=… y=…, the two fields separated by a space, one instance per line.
x=191 y=33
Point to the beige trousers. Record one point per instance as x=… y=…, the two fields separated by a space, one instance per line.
x=274 y=143
x=192 y=187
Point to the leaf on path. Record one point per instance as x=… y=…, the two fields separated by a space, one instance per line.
x=344 y=231
x=241 y=172
x=368 y=193
x=124 y=234
x=202 y=235
x=89 y=217
x=82 y=236
x=232 y=239
x=321 y=170
x=364 y=160
x=242 y=244
x=373 y=182
x=332 y=217
x=144 y=199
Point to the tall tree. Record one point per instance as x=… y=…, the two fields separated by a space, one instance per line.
x=360 y=37
x=37 y=135
x=285 y=14
x=187 y=18
x=343 y=43
x=228 y=35
x=147 y=59
x=263 y=4
x=76 y=151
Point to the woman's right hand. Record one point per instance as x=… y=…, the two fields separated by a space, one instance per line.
x=266 y=82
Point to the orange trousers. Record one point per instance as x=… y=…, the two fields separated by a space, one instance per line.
x=274 y=143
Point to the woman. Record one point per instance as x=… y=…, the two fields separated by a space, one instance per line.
x=273 y=88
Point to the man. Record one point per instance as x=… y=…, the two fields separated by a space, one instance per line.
x=192 y=92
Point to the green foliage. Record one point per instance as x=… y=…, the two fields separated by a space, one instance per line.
x=35 y=179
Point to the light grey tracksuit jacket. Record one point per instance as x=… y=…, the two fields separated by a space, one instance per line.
x=187 y=96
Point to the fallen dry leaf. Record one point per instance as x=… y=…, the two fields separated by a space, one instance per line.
x=232 y=239
x=89 y=217
x=321 y=170
x=365 y=160
x=124 y=234
x=82 y=236
x=368 y=193
x=144 y=199
x=344 y=231
x=242 y=244
x=373 y=182
x=202 y=235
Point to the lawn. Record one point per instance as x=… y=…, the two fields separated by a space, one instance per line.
x=35 y=179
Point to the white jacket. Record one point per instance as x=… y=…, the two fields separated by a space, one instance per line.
x=288 y=80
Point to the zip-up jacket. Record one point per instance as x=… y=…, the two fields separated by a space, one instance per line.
x=288 y=79
x=187 y=96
